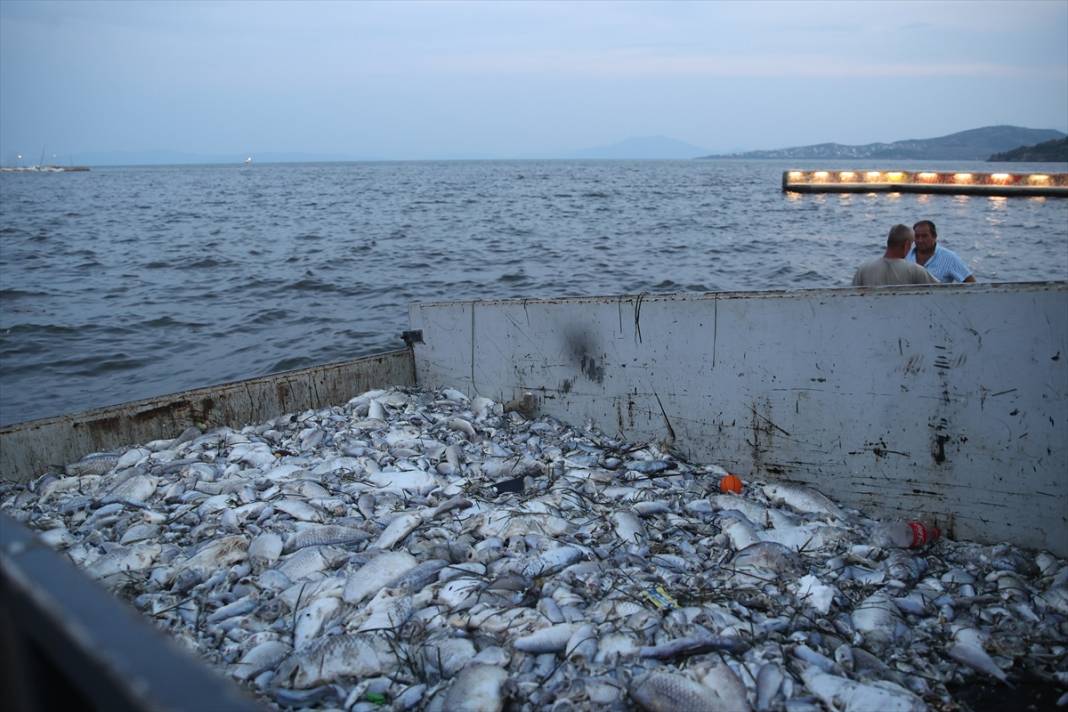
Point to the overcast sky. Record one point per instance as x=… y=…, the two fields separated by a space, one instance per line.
x=510 y=79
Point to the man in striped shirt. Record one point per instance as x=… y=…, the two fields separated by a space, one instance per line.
x=944 y=264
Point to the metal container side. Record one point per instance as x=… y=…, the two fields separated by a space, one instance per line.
x=70 y=644
x=28 y=449
x=949 y=402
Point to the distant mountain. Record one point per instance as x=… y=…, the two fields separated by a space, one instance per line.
x=973 y=145
x=648 y=147
x=1055 y=151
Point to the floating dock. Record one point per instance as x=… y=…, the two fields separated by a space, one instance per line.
x=949 y=182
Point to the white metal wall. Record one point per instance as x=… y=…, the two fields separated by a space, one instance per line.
x=948 y=401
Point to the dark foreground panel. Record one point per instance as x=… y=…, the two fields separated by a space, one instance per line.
x=69 y=644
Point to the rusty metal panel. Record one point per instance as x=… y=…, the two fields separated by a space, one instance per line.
x=27 y=449
x=950 y=402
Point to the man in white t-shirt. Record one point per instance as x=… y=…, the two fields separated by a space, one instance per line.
x=892 y=268
x=944 y=264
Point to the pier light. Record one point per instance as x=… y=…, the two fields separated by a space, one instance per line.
x=897 y=182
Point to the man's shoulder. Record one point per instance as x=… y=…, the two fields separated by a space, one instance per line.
x=879 y=263
x=947 y=253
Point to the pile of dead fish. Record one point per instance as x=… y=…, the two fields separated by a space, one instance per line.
x=416 y=549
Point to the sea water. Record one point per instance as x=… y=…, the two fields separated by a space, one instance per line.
x=125 y=283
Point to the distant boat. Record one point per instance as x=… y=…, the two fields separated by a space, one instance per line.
x=248 y=161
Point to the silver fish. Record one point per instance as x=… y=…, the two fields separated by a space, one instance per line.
x=377 y=574
x=398 y=530
x=264 y=656
x=478 y=688
x=803 y=499
x=325 y=534
x=335 y=657
x=672 y=692
x=840 y=693
x=552 y=639
x=693 y=645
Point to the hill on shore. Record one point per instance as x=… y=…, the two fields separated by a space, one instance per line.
x=1050 y=151
x=971 y=145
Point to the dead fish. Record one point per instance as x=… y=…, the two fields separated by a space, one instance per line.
x=376 y=574
x=728 y=688
x=238 y=608
x=388 y=610
x=551 y=561
x=769 y=680
x=264 y=656
x=299 y=510
x=582 y=645
x=968 y=649
x=445 y=658
x=839 y=693
x=803 y=499
x=310 y=620
x=552 y=639
x=397 y=530
x=135 y=490
x=478 y=688
x=693 y=645
x=416 y=578
x=461 y=425
x=98 y=463
x=877 y=618
x=338 y=656
x=738 y=529
x=124 y=559
x=140 y=532
x=672 y=692
x=265 y=549
x=328 y=534
x=628 y=527
x=308 y=561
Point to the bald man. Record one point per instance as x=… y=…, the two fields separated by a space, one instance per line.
x=892 y=268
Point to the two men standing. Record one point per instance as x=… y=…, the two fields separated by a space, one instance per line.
x=902 y=263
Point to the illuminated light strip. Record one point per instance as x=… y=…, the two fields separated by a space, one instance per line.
x=962 y=182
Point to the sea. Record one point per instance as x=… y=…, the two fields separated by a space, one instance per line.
x=130 y=282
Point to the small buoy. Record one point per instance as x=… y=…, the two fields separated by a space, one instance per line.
x=730 y=483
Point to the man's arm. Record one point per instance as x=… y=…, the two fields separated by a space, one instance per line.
x=959 y=270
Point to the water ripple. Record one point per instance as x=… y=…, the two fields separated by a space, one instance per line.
x=125 y=283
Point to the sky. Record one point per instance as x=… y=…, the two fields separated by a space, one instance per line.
x=440 y=80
